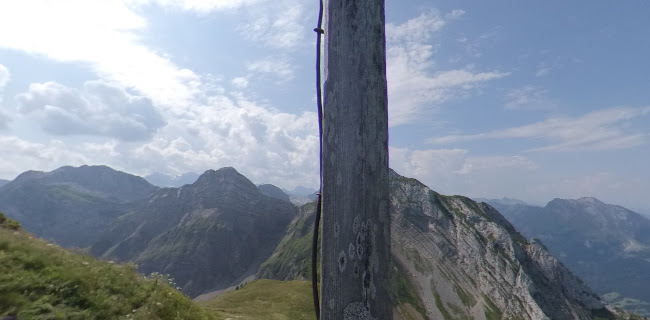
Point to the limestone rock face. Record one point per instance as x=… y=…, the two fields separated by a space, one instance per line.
x=207 y=236
x=457 y=259
x=467 y=260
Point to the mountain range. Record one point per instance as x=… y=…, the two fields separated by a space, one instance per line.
x=453 y=258
x=71 y=206
x=208 y=235
x=606 y=245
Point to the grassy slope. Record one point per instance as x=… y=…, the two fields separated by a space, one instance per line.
x=42 y=281
x=292 y=300
x=292 y=257
x=266 y=300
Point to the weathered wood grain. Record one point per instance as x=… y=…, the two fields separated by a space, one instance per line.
x=355 y=273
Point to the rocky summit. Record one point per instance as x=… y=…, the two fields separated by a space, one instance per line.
x=207 y=236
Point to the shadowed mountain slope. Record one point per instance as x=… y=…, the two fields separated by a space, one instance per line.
x=273 y=191
x=207 y=235
x=71 y=205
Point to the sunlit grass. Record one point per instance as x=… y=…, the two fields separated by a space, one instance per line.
x=266 y=299
x=39 y=280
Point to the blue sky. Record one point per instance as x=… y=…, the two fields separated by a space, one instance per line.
x=532 y=100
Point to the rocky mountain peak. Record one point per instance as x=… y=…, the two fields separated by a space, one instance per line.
x=557 y=202
x=206 y=235
x=601 y=215
x=572 y=202
x=223 y=178
x=225 y=184
x=590 y=200
x=28 y=175
x=584 y=204
x=274 y=192
x=100 y=181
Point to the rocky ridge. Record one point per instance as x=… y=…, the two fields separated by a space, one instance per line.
x=207 y=236
x=462 y=259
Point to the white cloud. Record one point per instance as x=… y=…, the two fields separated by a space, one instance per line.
x=543 y=69
x=528 y=98
x=199 y=6
x=206 y=128
x=4 y=78
x=240 y=82
x=99 y=109
x=419 y=29
x=277 y=66
x=4 y=120
x=277 y=24
x=471 y=165
x=19 y=155
x=598 y=130
x=427 y=163
x=455 y=171
x=412 y=85
x=474 y=44
x=266 y=145
x=108 y=149
x=102 y=34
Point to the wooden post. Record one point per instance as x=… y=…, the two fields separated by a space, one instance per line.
x=355 y=268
